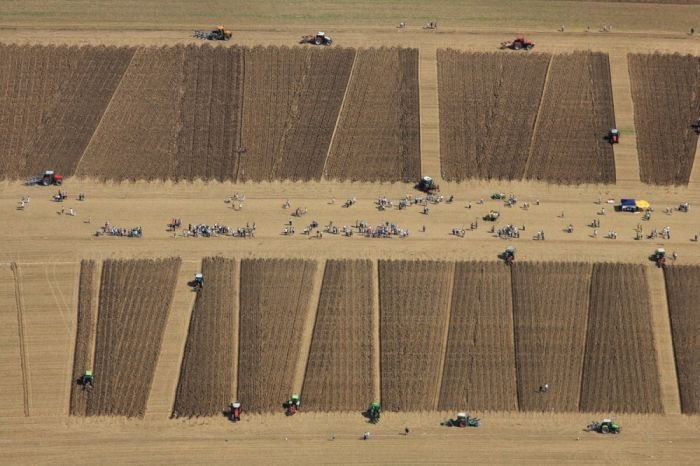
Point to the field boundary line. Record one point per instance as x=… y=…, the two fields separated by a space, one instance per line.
x=445 y=338
x=20 y=330
x=94 y=310
x=307 y=334
x=73 y=330
x=663 y=341
x=537 y=119
x=109 y=104
x=376 y=335
x=340 y=112
x=236 y=328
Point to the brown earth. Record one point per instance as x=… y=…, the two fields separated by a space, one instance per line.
x=479 y=367
x=619 y=367
x=682 y=291
x=339 y=372
x=206 y=376
x=85 y=337
x=135 y=300
x=550 y=313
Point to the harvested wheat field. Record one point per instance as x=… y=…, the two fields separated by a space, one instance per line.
x=414 y=300
x=135 y=298
x=377 y=137
x=205 y=386
x=339 y=371
x=619 y=367
x=479 y=367
x=550 y=315
x=274 y=305
x=480 y=96
x=683 y=294
x=666 y=103
x=568 y=143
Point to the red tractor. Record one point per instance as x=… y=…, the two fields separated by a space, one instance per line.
x=613 y=136
x=235 y=411
x=520 y=43
x=49 y=178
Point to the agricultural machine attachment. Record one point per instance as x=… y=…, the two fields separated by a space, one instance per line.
x=659 y=257
x=520 y=43
x=427 y=185
x=508 y=255
x=320 y=38
x=217 y=34
x=606 y=426
x=463 y=420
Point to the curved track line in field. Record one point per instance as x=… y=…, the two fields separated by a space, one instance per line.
x=106 y=111
x=340 y=112
x=446 y=332
x=537 y=118
x=309 y=326
x=20 y=327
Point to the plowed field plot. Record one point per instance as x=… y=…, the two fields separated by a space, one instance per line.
x=666 y=96
x=85 y=337
x=137 y=136
x=339 y=374
x=378 y=132
x=479 y=371
x=576 y=113
x=550 y=313
x=208 y=143
x=274 y=303
x=135 y=298
x=488 y=107
x=414 y=299
x=206 y=375
x=30 y=80
x=292 y=98
x=683 y=291
x=619 y=368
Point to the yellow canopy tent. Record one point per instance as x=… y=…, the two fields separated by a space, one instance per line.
x=642 y=205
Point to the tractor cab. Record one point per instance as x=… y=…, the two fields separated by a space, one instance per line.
x=198 y=282
x=293 y=404
x=235 y=411
x=614 y=136
x=51 y=178
x=427 y=185
x=374 y=412
x=659 y=257
x=509 y=255
x=87 y=379
x=462 y=420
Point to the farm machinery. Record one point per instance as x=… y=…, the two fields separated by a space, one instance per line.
x=86 y=380
x=49 y=178
x=198 y=282
x=606 y=426
x=659 y=257
x=696 y=126
x=428 y=185
x=374 y=412
x=292 y=405
x=508 y=255
x=320 y=38
x=520 y=43
x=613 y=136
x=217 y=34
x=492 y=216
x=463 y=420
x=234 y=411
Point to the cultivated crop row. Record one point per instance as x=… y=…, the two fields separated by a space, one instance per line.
x=683 y=291
x=274 y=303
x=85 y=337
x=208 y=368
x=378 y=132
x=619 y=369
x=488 y=106
x=666 y=102
x=339 y=372
x=135 y=297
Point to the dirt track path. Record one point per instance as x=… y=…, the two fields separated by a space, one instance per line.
x=24 y=365
x=49 y=303
x=668 y=381
x=429 y=113
x=167 y=372
x=309 y=324
x=376 y=338
x=11 y=386
x=626 y=159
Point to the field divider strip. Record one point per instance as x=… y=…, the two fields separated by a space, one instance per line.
x=340 y=112
x=20 y=329
x=73 y=331
x=663 y=341
x=537 y=118
x=445 y=336
x=106 y=111
x=236 y=329
x=309 y=326
x=95 y=308
x=376 y=334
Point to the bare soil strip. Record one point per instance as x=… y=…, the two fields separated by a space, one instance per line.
x=20 y=330
x=11 y=387
x=85 y=336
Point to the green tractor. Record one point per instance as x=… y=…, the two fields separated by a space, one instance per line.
x=292 y=405
x=463 y=420
x=606 y=426
x=659 y=257
x=492 y=216
x=374 y=412
x=498 y=196
x=86 y=380
x=428 y=185
x=508 y=255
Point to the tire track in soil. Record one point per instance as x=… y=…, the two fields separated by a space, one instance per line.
x=20 y=328
x=236 y=330
x=443 y=352
x=308 y=329
x=376 y=331
x=535 y=127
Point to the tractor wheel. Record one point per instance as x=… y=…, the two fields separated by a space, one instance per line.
x=517 y=46
x=605 y=429
x=318 y=41
x=329 y=42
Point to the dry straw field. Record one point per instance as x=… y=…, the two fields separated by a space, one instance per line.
x=666 y=102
